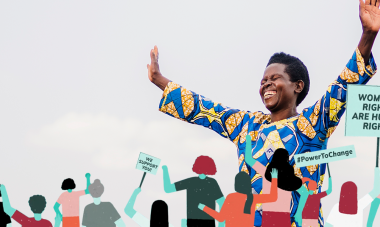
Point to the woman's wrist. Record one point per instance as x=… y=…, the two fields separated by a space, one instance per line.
x=369 y=32
x=366 y=43
x=160 y=81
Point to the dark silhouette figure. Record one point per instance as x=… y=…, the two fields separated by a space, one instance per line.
x=243 y=186
x=4 y=218
x=159 y=216
x=200 y=189
x=287 y=180
x=277 y=213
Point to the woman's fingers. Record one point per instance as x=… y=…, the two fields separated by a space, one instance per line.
x=156 y=52
x=152 y=57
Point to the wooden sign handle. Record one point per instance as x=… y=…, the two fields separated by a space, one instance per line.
x=377 y=152
x=328 y=169
x=142 y=180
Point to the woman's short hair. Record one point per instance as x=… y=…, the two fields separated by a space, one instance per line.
x=296 y=71
x=37 y=204
x=96 y=189
x=204 y=165
x=159 y=216
x=68 y=184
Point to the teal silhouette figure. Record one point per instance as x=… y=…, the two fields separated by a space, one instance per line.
x=310 y=212
x=37 y=204
x=70 y=203
x=201 y=189
x=100 y=214
x=372 y=212
x=159 y=216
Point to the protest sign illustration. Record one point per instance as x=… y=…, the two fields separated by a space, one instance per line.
x=325 y=156
x=148 y=164
x=363 y=112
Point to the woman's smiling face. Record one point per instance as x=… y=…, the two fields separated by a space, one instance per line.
x=277 y=91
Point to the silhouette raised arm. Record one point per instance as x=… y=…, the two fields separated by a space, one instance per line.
x=272 y=197
x=88 y=182
x=329 y=189
x=8 y=209
x=248 y=152
x=168 y=187
x=376 y=184
x=129 y=210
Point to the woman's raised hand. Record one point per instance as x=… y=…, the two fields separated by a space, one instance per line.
x=369 y=13
x=153 y=68
x=274 y=173
x=154 y=73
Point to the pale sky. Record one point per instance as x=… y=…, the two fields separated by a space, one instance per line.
x=75 y=96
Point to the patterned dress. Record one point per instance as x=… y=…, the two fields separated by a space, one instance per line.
x=307 y=132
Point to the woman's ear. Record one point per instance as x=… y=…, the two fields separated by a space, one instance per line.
x=299 y=86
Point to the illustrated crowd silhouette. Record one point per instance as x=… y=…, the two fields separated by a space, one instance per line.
x=203 y=193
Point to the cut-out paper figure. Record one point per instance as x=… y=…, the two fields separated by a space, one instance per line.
x=277 y=213
x=100 y=214
x=284 y=86
x=37 y=204
x=70 y=203
x=159 y=216
x=310 y=212
x=373 y=210
x=5 y=220
x=201 y=189
x=239 y=208
x=349 y=212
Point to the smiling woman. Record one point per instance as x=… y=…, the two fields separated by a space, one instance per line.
x=284 y=86
x=282 y=90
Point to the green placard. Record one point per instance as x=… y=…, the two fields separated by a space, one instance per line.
x=147 y=163
x=363 y=110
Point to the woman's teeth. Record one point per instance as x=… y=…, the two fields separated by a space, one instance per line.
x=269 y=94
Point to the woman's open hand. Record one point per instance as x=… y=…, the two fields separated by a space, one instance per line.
x=369 y=13
x=153 y=68
x=154 y=73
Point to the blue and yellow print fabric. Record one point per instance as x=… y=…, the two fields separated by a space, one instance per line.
x=307 y=132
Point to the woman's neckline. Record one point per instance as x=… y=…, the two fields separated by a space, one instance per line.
x=268 y=120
